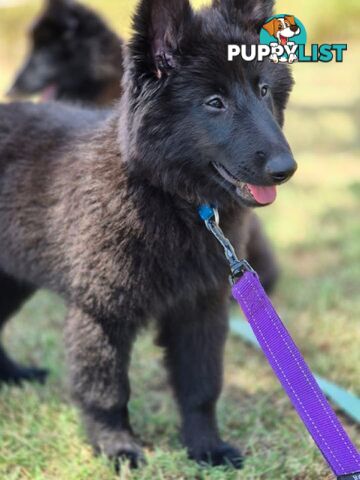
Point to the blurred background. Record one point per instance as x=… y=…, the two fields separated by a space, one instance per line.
x=315 y=229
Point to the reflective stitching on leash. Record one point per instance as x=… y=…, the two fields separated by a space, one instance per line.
x=306 y=376
x=286 y=378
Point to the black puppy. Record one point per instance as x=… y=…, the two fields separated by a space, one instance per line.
x=106 y=215
x=76 y=57
x=73 y=56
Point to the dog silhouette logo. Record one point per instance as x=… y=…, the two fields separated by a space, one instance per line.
x=283 y=33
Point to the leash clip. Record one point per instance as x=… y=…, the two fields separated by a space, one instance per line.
x=210 y=216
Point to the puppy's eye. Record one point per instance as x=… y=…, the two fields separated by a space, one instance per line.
x=264 y=90
x=215 y=103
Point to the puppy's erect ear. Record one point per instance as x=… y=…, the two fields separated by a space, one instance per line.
x=270 y=27
x=56 y=8
x=250 y=10
x=159 y=28
x=62 y=12
x=59 y=3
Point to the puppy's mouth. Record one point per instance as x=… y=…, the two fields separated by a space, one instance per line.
x=283 y=40
x=49 y=93
x=251 y=195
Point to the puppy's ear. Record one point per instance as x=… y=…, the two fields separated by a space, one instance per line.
x=290 y=19
x=58 y=7
x=254 y=11
x=270 y=27
x=62 y=12
x=159 y=28
x=59 y=3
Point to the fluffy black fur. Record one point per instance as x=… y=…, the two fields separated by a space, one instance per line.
x=104 y=212
x=74 y=56
x=82 y=63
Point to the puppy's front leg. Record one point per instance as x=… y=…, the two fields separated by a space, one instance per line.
x=292 y=58
x=99 y=354
x=194 y=335
x=274 y=58
x=276 y=49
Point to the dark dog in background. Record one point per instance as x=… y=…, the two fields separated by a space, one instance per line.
x=74 y=56
x=105 y=212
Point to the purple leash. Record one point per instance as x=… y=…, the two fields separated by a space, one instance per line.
x=287 y=361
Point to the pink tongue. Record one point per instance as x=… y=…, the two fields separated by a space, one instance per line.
x=263 y=195
x=48 y=93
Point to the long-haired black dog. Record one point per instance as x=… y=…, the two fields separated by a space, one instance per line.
x=106 y=214
x=74 y=56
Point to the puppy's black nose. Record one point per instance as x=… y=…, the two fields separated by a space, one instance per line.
x=294 y=28
x=281 y=168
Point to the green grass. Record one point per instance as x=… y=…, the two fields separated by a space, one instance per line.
x=314 y=226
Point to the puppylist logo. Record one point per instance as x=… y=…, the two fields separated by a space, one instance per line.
x=283 y=34
x=283 y=40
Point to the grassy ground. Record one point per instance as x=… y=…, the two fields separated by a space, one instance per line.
x=313 y=226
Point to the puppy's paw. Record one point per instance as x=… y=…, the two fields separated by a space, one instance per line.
x=222 y=454
x=293 y=58
x=122 y=447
